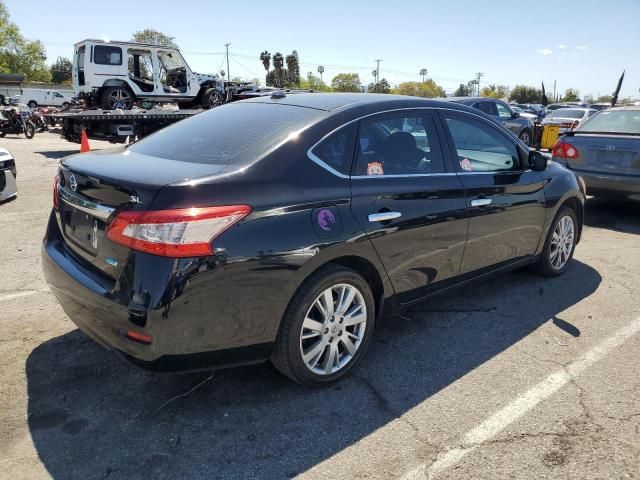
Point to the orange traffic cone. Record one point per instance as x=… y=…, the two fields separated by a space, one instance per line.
x=84 y=143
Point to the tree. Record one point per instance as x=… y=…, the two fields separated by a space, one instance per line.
x=313 y=82
x=604 y=99
x=346 y=82
x=154 y=37
x=293 y=70
x=18 y=54
x=571 y=95
x=463 y=90
x=265 y=58
x=426 y=89
x=423 y=73
x=380 y=87
x=278 y=67
x=525 y=94
x=495 y=91
x=320 y=71
x=61 y=70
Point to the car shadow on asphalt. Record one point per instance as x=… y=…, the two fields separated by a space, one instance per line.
x=58 y=154
x=91 y=415
x=618 y=215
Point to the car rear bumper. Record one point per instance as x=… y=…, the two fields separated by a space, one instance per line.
x=609 y=184
x=182 y=338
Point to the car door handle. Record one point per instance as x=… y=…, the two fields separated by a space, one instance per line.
x=383 y=216
x=480 y=202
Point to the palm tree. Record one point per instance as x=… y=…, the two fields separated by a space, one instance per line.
x=278 y=63
x=320 y=71
x=423 y=74
x=265 y=58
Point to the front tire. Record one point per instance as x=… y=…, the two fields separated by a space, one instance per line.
x=560 y=244
x=29 y=130
x=212 y=98
x=327 y=327
x=32 y=104
x=525 y=136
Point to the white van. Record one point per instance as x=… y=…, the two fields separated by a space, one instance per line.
x=34 y=97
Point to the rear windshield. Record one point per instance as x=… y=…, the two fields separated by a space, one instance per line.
x=228 y=134
x=622 y=121
x=567 y=113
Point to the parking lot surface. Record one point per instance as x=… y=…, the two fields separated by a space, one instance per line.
x=519 y=377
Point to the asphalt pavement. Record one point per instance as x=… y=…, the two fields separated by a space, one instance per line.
x=519 y=377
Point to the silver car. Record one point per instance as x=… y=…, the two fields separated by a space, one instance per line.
x=8 y=187
x=568 y=118
x=605 y=152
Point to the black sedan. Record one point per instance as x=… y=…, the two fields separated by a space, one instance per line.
x=287 y=227
x=605 y=152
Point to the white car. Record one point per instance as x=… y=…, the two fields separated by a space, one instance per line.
x=8 y=186
x=115 y=74
x=568 y=118
x=35 y=97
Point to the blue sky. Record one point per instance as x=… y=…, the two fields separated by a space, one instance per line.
x=583 y=44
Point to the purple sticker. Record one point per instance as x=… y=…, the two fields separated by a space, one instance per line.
x=326 y=219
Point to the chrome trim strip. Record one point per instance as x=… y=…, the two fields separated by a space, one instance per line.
x=100 y=211
x=408 y=175
x=332 y=170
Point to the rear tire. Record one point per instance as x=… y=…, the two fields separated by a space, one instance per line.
x=559 y=245
x=317 y=346
x=32 y=104
x=116 y=97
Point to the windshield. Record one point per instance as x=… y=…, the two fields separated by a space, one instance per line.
x=232 y=134
x=623 y=121
x=567 y=113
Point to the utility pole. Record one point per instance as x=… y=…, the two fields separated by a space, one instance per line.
x=378 y=70
x=554 y=91
x=228 y=73
x=479 y=75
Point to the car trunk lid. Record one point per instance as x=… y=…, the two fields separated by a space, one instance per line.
x=93 y=187
x=612 y=154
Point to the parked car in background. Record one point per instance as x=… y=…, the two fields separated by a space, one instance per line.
x=35 y=97
x=600 y=106
x=8 y=174
x=605 y=152
x=531 y=116
x=568 y=118
x=521 y=127
x=286 y=227
x=533 y=108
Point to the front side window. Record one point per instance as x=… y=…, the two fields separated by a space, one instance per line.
x=481 y=147
x=337 y=150
x=398 y=144
x=140 y=68
x=503 y=111
x=107 y=55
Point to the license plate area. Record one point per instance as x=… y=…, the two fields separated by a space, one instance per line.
x=612 y=159
x=81 y=228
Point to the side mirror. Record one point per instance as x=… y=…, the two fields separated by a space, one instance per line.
x=515 y=115
x=537 y=161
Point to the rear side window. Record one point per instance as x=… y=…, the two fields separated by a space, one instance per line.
x=336 y=151
x=480 y=147
x=104 y=55
x=399 y=144
x=232 y=134
x=487 y=107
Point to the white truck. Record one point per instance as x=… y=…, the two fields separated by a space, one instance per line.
x=114 y=75
x=35 y=97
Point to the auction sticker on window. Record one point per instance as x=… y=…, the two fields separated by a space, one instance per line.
x=465 y=164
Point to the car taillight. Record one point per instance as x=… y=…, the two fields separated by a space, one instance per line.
x=565 y=150
x=186 y=232
x=56 y=181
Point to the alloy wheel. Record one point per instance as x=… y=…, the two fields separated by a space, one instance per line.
x=524 y=136
x=120 y=99
x=562 y=242
x=333 y=329
x=215 y=99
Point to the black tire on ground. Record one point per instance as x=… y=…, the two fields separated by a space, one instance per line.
x=2 y=134
x=212 y=98
x=2 y=100
x=66 y=105
x=116 y=97
x=287 y=355
x=32 y=104
x=525 y=136
x=544 y=266
x=29 y=130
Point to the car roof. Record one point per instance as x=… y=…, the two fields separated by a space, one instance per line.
x=582 y=109
x=470 y=100
x=119 y=42
x=333 y=101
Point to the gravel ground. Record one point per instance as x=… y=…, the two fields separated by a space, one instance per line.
x=522 y=377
